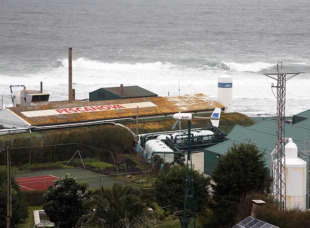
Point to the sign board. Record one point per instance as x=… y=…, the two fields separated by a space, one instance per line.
x=85 y=109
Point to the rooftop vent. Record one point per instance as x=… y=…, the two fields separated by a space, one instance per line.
x=28 y=98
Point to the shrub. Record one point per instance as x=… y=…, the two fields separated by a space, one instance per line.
x=64 y=202
x=170 y=191
x=284 y=219
x=239 y=172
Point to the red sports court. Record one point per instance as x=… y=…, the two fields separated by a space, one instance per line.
x=37 y=183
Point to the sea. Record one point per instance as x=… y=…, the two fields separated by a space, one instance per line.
x=169 y=47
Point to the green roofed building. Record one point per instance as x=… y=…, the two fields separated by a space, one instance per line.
x=303 y=124
x=264 y=136
x=122 y=92
x=301 y=116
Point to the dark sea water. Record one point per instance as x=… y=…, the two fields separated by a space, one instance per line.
x=155 y=44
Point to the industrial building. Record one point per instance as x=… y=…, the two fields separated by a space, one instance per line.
x=78 y=112
x=121 y=92
x=263 y=134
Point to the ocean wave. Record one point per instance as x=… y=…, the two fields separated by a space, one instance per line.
x=248 y=67
x=87 y=64
x=163 y=78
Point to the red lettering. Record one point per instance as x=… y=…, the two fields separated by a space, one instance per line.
x=87 y=109
x=66 y=110
x=116 y=106
x=59 y=110
x=95 y=108
x=120 y=107
x=105 y=107
x=90 y=109
x=71 y=110
x=112 y=107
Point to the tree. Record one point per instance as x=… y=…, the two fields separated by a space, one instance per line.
x=19 y=206
x=241 y=171
x=170 y=190
x=64 y=202
x=117 y=207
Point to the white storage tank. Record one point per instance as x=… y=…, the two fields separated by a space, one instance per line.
x=180 y=137
x=155 y=145
x=195 y=134
x=296 y=178
x=163 y=137
x=148 y=147
x=224 y=92
x=206 y=134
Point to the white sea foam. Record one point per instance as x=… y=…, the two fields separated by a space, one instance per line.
x=251 y=91
x=248 y=67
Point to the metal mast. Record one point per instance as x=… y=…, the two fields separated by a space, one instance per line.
x=189 y=199
x=279 y=179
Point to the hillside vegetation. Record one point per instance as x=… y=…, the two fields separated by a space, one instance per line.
x=100 y=142
x=103 y=142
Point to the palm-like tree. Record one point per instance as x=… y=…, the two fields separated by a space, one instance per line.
x=117 y=207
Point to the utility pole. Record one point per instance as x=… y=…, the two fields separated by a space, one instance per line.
x=137 y=121
x=1 y=102
x=189 y=197
x=70 y=75
x=9 y=188
x=189 y=211
x=279 y=179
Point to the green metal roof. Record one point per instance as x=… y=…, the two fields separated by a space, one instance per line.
x=265 y=142
x=299 y=132
x=129 y=92
x=263 y=135
x=303 y=124
x=305 y=114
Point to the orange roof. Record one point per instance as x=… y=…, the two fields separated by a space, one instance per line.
x=160 y=106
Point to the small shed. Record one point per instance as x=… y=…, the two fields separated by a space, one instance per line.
x=121 y=92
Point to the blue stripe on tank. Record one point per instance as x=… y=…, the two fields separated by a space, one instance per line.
x=225 y=85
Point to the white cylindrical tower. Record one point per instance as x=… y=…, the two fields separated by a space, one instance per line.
x=224 y=91
x=296 y=178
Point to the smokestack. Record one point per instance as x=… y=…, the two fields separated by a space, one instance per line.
x=70 y=75
x=122 y=90
x=41 y=87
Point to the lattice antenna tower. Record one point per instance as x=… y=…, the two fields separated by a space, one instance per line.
x=279 y=185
